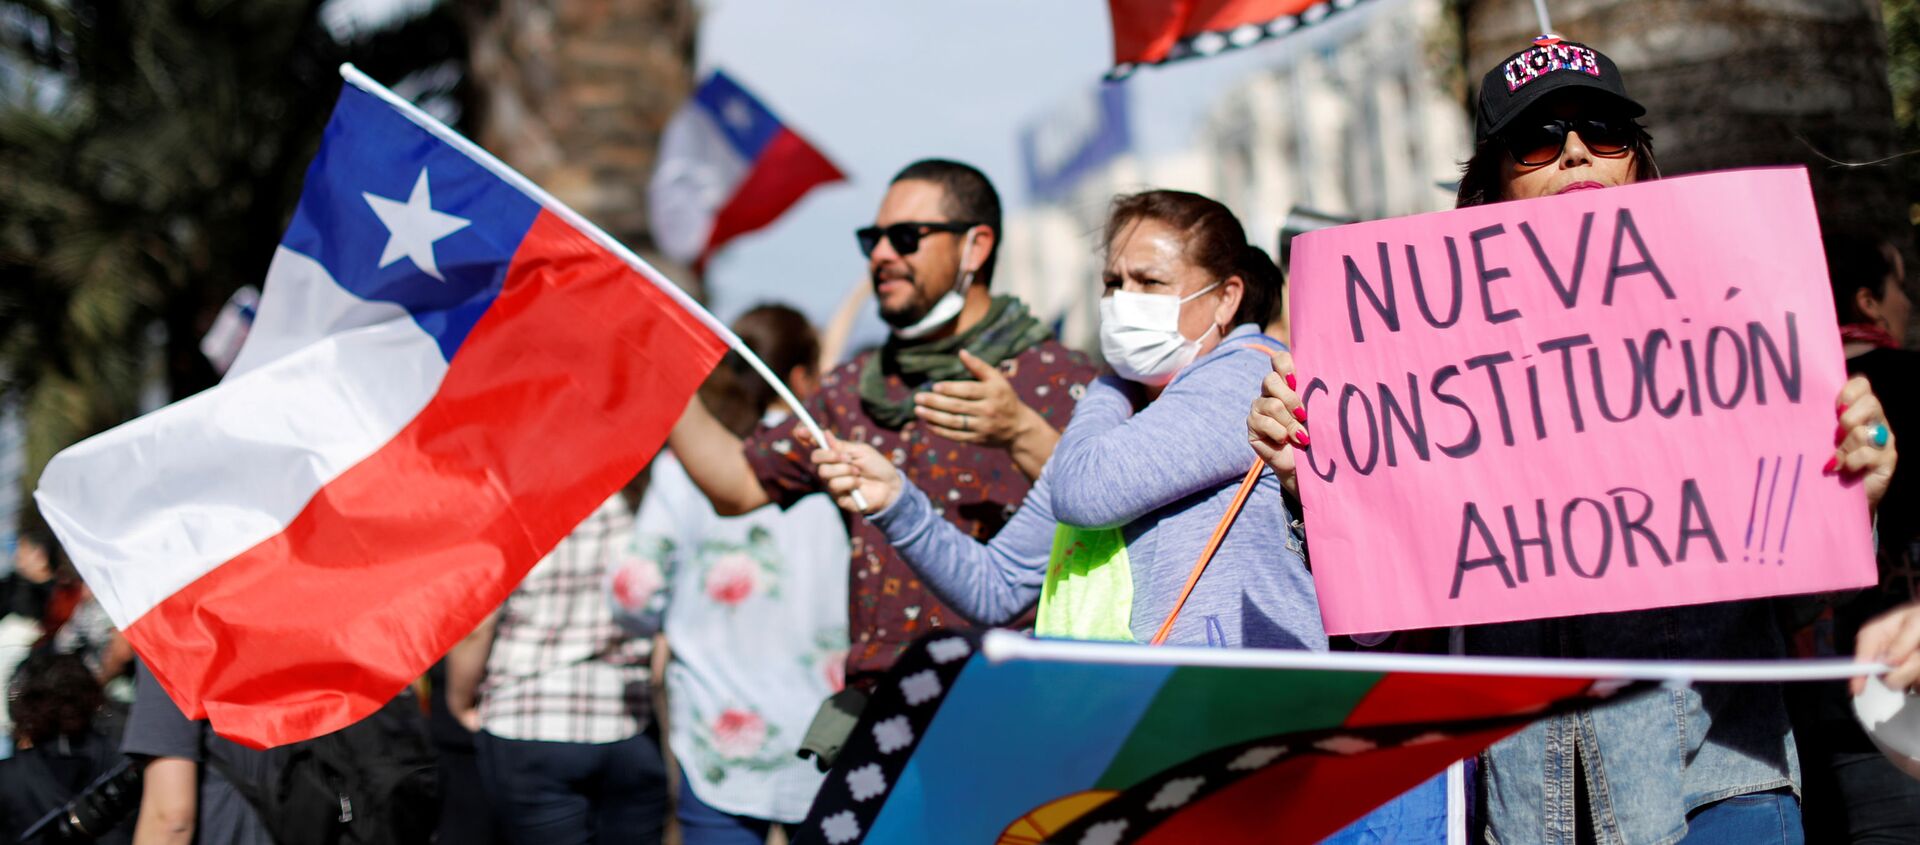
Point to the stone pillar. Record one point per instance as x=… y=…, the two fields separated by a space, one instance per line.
x=577 y=94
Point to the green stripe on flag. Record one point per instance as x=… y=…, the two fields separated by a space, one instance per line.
x=1199 y=709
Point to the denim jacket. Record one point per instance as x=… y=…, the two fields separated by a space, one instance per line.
x=1650 y=759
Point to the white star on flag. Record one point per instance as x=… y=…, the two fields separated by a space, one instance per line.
x=413 y=226
x=738 y=114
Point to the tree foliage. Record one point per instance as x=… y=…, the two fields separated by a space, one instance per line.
x=151 y=152
x=1903 y=74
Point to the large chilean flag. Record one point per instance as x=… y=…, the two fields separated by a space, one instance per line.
x=448 y=371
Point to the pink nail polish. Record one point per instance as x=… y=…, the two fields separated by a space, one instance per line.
x=1290 y=383
x=1832 y=464
x=1300 y=413
x=1301 y=438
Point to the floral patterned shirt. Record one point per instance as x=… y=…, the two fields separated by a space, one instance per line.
x=977 y=488
x=754 y=609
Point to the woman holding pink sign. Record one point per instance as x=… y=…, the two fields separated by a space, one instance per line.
x=1701 y=764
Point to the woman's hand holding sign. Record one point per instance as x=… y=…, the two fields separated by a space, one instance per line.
x=1866 y=450
x=1278 y=422
x=1864 y=447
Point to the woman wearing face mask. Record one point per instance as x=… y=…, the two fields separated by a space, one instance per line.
x=1113 y=526
x=1708 y=763
x=1109 y=534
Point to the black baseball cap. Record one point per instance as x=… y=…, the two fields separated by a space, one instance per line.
x=1550 y=64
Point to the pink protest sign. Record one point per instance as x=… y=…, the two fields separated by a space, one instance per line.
x=1607 y=400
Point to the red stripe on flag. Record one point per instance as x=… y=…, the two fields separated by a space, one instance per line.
x=787 y=169
x=1408 y=698
x=565 y=389
x=1310 y=798
x=1144 y=31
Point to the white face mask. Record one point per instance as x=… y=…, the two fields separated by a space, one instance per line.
x=1140 y=335
x=948 y=307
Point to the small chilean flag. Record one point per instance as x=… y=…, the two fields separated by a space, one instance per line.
x=448 y=371
x=727 y=166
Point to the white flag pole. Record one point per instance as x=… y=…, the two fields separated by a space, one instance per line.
x=513 y=177
x=1540 y=10
x=1000 y=646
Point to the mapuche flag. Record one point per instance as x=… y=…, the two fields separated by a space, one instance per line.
x=1003 y=739
x=448 y=370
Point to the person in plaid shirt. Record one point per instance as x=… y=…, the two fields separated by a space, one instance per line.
x=563 y=727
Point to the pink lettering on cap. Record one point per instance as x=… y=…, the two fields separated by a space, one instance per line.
x=1539 y=61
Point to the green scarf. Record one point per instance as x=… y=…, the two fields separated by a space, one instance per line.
x=1007 y=330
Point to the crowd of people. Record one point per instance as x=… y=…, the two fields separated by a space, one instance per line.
x=978 y=473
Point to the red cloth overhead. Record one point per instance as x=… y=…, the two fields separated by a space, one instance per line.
x=1151 y=31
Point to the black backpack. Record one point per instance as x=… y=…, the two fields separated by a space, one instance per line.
x=371 y=783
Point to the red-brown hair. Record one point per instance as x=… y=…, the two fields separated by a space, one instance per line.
x=1215 y=242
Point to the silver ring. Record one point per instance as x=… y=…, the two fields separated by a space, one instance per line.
x=966 y=424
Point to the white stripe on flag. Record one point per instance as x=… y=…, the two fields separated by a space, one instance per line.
x=698 y=172
x=325 y=380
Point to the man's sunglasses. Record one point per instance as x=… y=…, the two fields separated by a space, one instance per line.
x=1535 y=144
x=905 y=237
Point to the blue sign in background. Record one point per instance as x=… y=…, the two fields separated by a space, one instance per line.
x=1059 y=152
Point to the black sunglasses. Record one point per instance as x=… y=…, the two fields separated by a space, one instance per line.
x=905 y=237
x=1535 y=144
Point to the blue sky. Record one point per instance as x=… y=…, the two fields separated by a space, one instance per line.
x=878 y=83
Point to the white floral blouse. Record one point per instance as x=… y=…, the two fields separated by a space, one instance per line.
x=755 y=615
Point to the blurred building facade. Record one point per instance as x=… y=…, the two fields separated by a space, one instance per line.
x=1364 y=121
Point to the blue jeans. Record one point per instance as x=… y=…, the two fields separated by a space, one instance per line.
x=701 y=824
x=1757 y=818
x=1417 y=817
x=576 y=793
x=1645 y=761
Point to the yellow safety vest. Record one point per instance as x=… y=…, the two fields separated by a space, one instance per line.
x=1088 y=594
